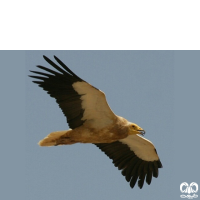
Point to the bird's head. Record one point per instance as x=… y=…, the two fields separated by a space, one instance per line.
x=135 y=129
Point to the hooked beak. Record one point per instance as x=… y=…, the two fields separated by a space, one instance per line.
x=142 y=132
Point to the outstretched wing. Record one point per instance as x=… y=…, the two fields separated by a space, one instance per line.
x=135 y=156
x=80 y=102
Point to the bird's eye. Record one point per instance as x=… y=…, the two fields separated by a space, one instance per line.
x=133 y=126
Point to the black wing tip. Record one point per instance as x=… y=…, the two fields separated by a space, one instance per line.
x=32 y=71
x=159 y=164
x=55 y=57
x=46 y=58
x=37 y=77
x=59 y=61
x=140 y=184
x=150 y=168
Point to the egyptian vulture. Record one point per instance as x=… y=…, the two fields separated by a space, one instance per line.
x=92 y=121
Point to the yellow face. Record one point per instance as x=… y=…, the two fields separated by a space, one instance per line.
x=135 y=129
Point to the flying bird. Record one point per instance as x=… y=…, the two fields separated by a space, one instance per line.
x=91 y=120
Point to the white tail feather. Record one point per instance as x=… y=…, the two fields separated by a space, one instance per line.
x=52 y=138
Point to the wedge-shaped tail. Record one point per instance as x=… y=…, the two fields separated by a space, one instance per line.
x=56 y=138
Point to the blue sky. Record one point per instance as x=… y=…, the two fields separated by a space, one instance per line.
x=158 y=90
